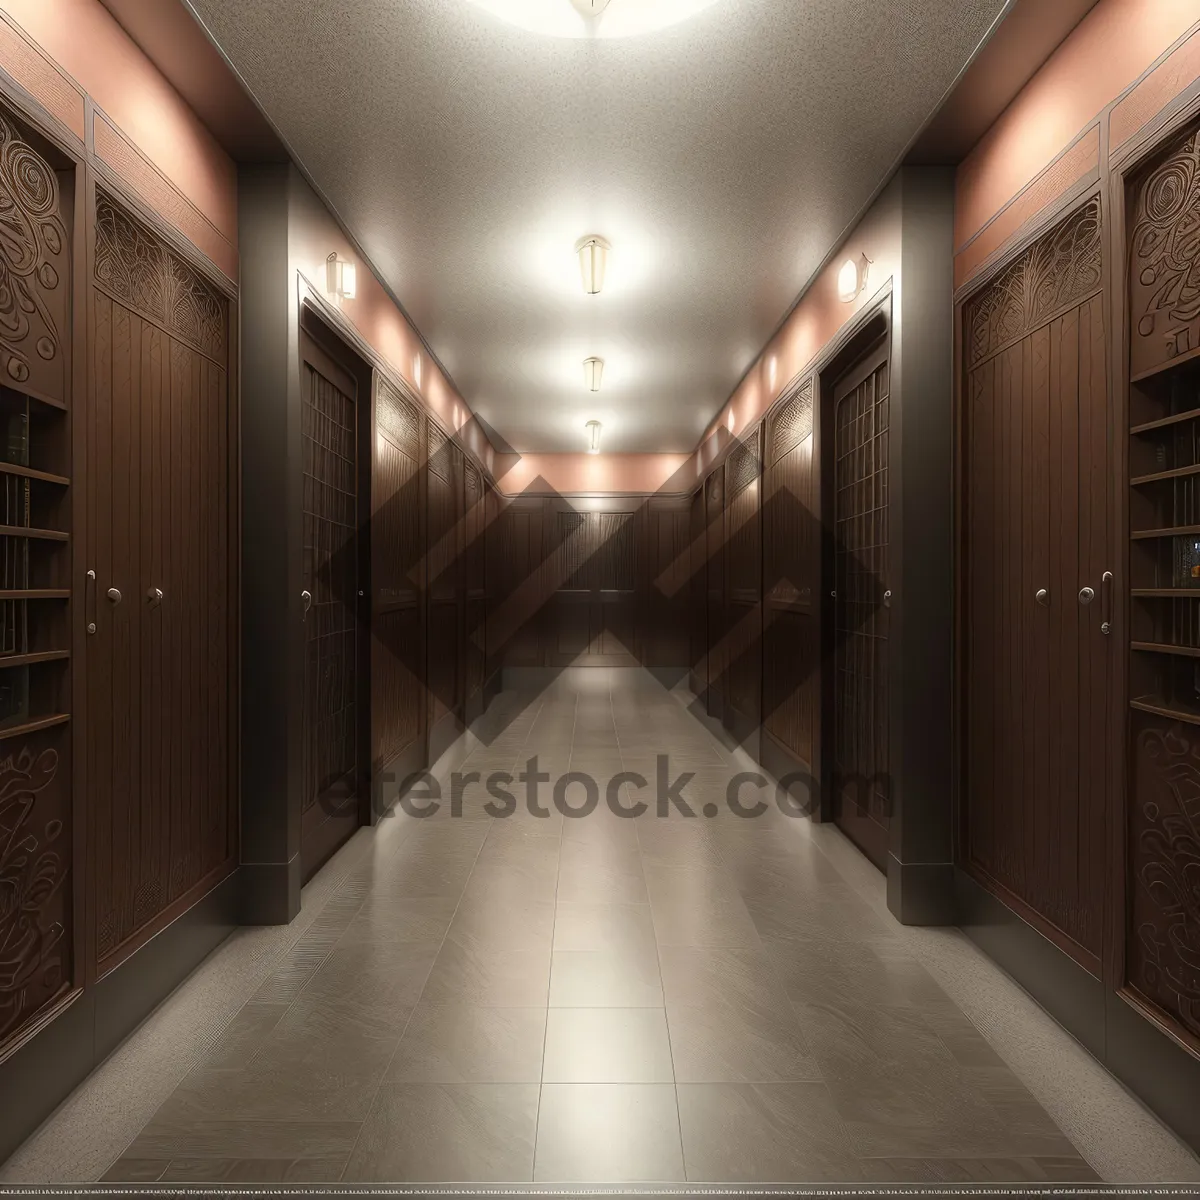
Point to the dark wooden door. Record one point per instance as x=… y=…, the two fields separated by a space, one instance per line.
x=160 y=596
x=664 y=604
x=397 y=579
x=1037 y=523
x=592 y=614
x=791 y=566
x=860 y=685
x=474 y=589
x=743 y=586
x=444 y=492
x=714 y=515
x=332 y=772
x=698 y=600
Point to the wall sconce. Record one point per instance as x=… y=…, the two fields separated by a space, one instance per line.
x=852 y=278
x=593 y=372
x=772 y=367
x=593 y=262
x=341 y=277
x=730 y=421
x=593 y=429
x=417 y=369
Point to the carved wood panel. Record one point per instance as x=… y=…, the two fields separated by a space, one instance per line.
x=1037 y=675
x=35 y=271
x=515 y=553
x=444 y=534
x=743 y=591
x=140 y=271
x=697 y=598
x=664 y=606
x=792 y=422
x=1061 y=269
x=36 y=961
x=1164 y=258
x=1163 y=924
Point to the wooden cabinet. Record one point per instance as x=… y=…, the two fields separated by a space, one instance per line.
x=1159 y=950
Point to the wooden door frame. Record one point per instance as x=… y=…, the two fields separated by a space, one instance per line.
x=326 y=340
x=871 y=334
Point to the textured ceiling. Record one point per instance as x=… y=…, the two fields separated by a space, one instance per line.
x=722 y=157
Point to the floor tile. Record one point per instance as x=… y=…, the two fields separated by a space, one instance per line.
x=494 y=978
x=1063 y=1170
x=611 y=1132
x=729 y=1044
x=466 y=1133
x=605 y=979
x=618 y=927
x=254 y=1170
x=763 y=1133
x=502 y=923
x=467 y=1044
x=727 y=977
x=607 y=1045
x=167 y=1138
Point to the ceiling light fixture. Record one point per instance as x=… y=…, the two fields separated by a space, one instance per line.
x=852 y=278
x=593 y=18
x=593 y=372
x=593 y=262
x=593 y=429
x=340 y=277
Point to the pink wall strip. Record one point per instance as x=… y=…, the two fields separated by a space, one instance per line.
x=92 y=49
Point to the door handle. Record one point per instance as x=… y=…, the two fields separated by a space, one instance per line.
x=114 y=594
x=306 y=601
x=1106 y=588
x=1086 y=595
x=1043 y=597
x=89 y=600
x=154 y=595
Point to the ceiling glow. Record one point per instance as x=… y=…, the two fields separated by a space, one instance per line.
x=593 y=18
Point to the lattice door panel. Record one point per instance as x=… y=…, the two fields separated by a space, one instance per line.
x=331 y=578
x=861 y=727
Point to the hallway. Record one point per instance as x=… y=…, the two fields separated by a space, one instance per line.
x=598 y=999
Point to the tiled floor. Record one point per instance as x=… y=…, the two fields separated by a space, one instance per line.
x=601 y=999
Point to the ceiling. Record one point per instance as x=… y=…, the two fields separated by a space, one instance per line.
x=722 y=157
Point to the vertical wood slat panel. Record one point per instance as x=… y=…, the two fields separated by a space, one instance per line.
x=1036 y=679
x=157 y=674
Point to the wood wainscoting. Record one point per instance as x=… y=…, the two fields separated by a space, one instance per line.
x=119 y=648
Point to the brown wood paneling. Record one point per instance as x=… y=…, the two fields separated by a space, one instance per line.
x=158 y=684
x=743 y=584
x=714 y=567
x=331 y=767
x=860 y=687
x=1036 y=529
x=445 y=616
x=515 y=549
x=697 y=594
x=664 y=604
x=474 y=581
x=397 y=567
x=791 y=566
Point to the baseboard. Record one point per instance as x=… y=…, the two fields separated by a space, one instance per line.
x=921 y=893
x=45 y=1071
x=1056 y=981
x=129 y=993
x=39 y=1076
x=1155 y=1068
x=269 y=892
x=442 y=735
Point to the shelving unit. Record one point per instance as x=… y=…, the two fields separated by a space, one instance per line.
x=1164 y=522
x=34 y=564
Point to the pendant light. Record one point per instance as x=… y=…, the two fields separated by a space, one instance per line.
x=593 y=262
x=593 y=372
x=593 y=429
